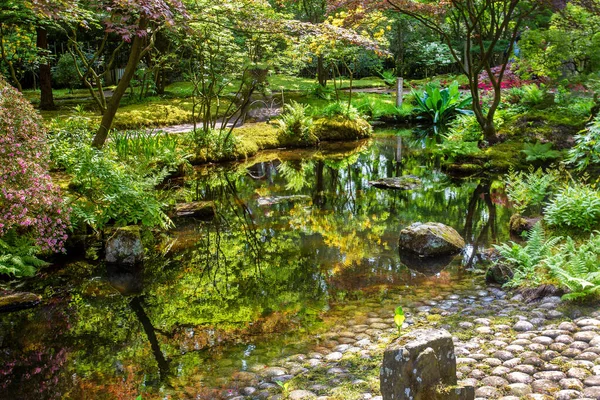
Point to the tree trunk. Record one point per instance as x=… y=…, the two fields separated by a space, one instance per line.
x=322 y=74
x=115 y=100
x=46 y=97
x=489 y=132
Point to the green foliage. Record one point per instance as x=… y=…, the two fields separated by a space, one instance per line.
x=399 y=317
x=456 y=149
x=65 y=72
x=388 y=76
x=295 y=124
x=540 y=152
x=149 y=150
x=18 y=256
x=577 y=267
x=532 y=94
x=115 y=186
x=587 y=147
x=338 y=109
x=440 y=105
x=108 y=192
x=526 y=260
x=321 y=92
x=528 y=190
x=575 y=206
x=465 y=128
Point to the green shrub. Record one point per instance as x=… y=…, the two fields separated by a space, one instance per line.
x=587 y=146
x=457 y=149
x=514 y=95
x=65 y=72
x=105 y=192
x=18 y=255
x=577 y=267
x=440 y=105
x=540 y=152
x=575 y=206
x=527 y=260
x=533 y=95
x=465 y=128
x=338 y=109
x=528 y=190
x=295 y=125
x=149 y=150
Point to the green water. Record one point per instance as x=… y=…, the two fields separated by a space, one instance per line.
x=299 y=238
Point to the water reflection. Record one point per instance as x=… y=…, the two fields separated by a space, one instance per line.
x=295 y=233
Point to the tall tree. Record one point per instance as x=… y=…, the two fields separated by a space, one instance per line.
x=135 y=22
x=483 y=24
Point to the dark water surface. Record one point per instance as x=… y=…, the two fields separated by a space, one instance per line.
x=299 y=238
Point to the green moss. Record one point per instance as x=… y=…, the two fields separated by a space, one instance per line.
x=463 y=169
x=503 y=156
x=340 y=129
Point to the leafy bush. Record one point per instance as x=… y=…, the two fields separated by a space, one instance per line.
x=577 y=267
x=320 y=92
x=295 y=124
x=575 y=206
x=526 y=260
x=528 y=190
x=465 y=128
x=338 y=109
x=514 y=95
x=18 y=256
x=533 y=94
x=108 y=192
x=65 y=72
x=455 y=149
x=115 y=186
x=587 y=146
x=30 y=204
x=440 y=105
x=540 y=151
x=149 y=150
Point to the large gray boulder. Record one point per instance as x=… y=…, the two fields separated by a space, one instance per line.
x=431 y=239
x=124 y=246
x=421 y=365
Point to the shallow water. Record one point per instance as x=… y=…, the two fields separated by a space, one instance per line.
x=300 y=241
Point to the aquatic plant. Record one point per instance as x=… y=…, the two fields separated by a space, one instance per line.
x=440 y=105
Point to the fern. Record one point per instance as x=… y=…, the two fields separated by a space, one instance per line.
x=18 y=256
x=528 y=190
x=528 y=259
x=576 y=267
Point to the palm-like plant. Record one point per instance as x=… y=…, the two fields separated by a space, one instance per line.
x=441 y=105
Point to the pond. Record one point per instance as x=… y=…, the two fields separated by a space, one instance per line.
x=300 y=241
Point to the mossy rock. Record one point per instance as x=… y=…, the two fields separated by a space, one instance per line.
x=340 y=129
x=519 y=224
x=463 y=168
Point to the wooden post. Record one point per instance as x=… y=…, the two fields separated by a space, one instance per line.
x=399 y=90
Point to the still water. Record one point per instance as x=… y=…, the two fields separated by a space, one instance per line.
x=298 y=236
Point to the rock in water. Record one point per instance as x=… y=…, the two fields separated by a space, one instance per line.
x=124 y=246
x=18 y=301
x=422 y=366
x=407 y=182
x=196 y=209
x=431 y=239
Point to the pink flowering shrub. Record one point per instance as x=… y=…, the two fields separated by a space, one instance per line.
x=30 y=204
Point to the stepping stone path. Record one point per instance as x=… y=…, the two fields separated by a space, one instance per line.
x=541 y=350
